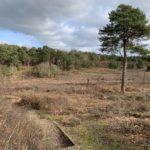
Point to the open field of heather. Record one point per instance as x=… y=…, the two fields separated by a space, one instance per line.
x=78 y=109
x=74 y=75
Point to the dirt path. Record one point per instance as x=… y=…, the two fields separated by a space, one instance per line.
x=53 y=137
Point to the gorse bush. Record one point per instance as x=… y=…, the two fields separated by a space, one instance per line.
x=45 y=70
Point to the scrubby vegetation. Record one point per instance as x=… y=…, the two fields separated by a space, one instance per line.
x=49 y=62
x=45 y=70
x=90 y=109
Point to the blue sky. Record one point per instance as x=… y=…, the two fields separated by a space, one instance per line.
x=63 y=24
x=18 y=38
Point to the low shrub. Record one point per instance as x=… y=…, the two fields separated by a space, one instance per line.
x=45 y=70
x=40 y=101
x=7 y=70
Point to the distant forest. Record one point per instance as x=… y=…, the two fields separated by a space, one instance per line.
x=12 y=55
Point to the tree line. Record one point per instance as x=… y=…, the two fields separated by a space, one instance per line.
x=13 y=55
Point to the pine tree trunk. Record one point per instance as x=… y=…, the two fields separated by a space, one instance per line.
x=123 y=80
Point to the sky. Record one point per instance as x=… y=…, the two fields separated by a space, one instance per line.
x=62 y=24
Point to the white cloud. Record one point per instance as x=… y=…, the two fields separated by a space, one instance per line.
x=61 y=23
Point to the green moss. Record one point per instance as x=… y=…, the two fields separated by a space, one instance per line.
x=98 y=135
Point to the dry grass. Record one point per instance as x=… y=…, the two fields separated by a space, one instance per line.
x=16 y=132
x=88 y=102
x=42 y=101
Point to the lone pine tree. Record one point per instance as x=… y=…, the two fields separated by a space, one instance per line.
x=127 y=27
